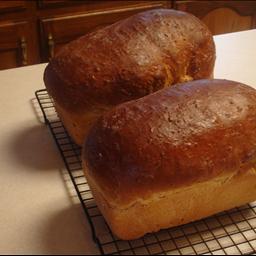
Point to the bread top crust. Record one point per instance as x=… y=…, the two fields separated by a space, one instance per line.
x=182 y=135
x=130 y=59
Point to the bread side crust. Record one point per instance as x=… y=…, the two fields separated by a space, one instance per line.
x=78 y=124
x=176 y=206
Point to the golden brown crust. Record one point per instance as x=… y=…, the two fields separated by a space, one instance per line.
x=78 y=124
x=187 y=133
x=130 y=59
x=177 y=206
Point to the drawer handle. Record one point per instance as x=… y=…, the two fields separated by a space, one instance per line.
x=50 y=46
x=24 y=54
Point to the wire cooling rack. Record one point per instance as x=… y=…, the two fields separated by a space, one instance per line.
x=231 y=232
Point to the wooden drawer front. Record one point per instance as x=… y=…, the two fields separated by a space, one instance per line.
x=222 y=16
x=15 y=45
x=10 y=6
x=56 y=32
x=90 y=5
x=57 y=3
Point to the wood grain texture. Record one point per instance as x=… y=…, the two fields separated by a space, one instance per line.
x=224 y=20
x=12 y=50
x=222 y=16
x=65 y=20
x=62 y=21
x=9 y=6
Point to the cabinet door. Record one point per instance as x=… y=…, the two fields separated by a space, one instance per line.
x=222 y=16
x=57 y=31
x=16 y=45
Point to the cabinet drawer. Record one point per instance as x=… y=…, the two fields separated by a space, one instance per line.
x=58 y=31
x=89 y=5
x=16 y=46
x=10 y=6
x=57 y=3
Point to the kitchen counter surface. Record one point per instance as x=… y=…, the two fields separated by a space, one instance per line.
x=38 y=214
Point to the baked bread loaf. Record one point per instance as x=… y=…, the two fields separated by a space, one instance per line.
x=125 y=61
x=175 y=156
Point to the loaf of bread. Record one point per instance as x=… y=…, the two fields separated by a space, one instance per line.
x=175 y=156
x=126 y=61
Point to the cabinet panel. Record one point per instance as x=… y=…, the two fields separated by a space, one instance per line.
x=16 y=46
x=232 y=21
x=222 y=16
x=7 y=6
x=9 y=58
x=92 y=5
x=58 y=3
x=58 y=31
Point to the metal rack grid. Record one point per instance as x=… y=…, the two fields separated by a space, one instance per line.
x=231 y=232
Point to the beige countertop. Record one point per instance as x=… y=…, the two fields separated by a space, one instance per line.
x=37 y=213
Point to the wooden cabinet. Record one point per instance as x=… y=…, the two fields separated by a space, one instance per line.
x=16 y=48
x=55 y=3
x=8 y=6
x=33 y=31
x=222 y=16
